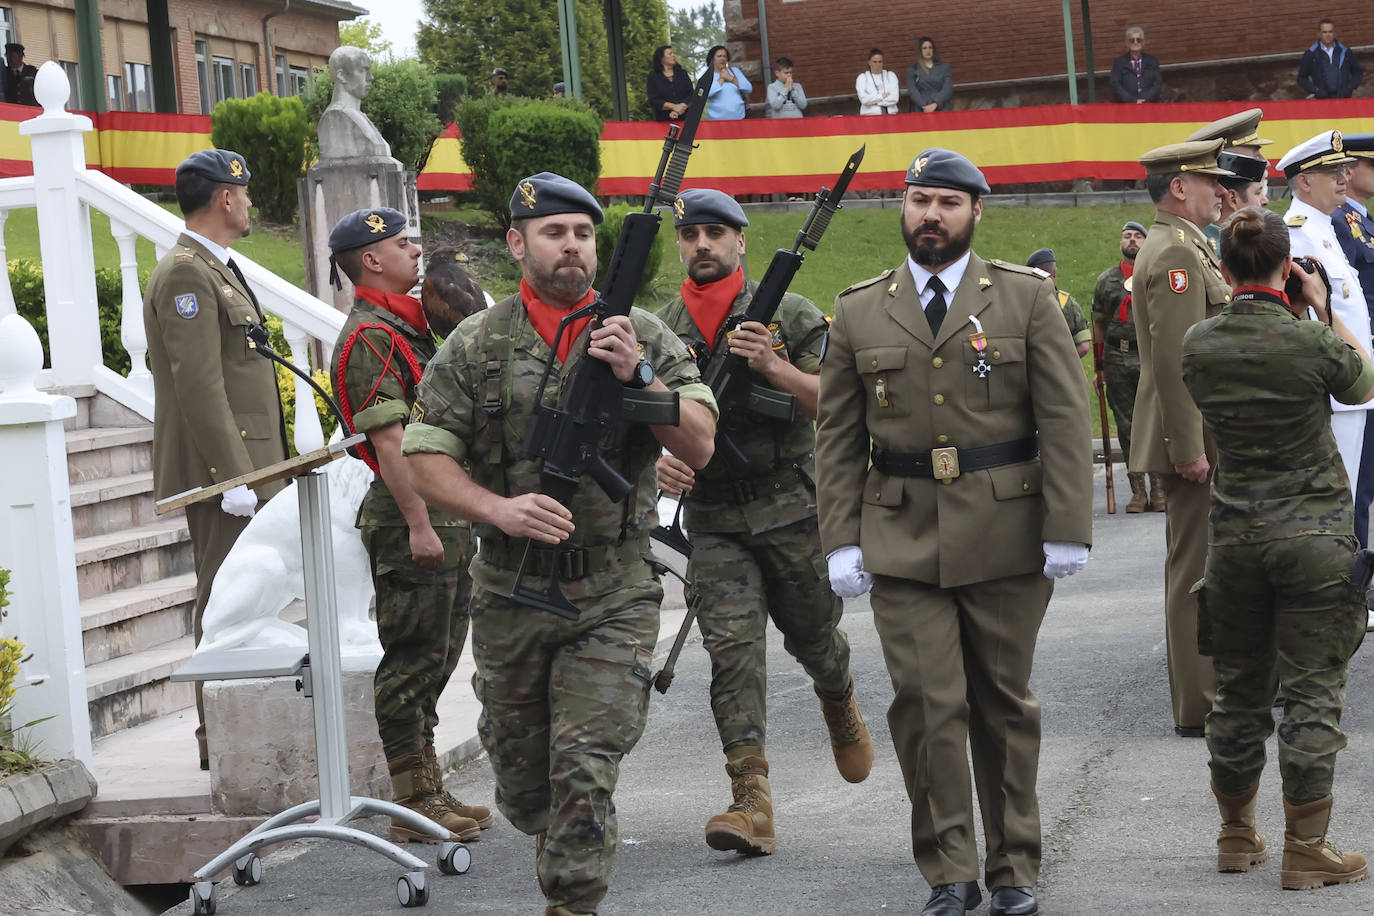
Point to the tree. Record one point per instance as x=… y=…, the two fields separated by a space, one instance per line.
x=473 y=36
x=366 y=34
x=695 y=31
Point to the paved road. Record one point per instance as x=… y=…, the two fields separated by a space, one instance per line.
x=1128 y=820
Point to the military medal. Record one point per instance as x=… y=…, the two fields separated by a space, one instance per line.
x=979 y=340
x=880 y=391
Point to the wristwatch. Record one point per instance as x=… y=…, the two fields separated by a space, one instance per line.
x=643 y=375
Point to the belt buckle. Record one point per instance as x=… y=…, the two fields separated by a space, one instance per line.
x=944 y=463
x=1125 y=346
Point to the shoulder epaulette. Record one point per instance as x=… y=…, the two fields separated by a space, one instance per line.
x=1182 y=237
x=864 y=284
x=1295 y=220
x=1019 y=268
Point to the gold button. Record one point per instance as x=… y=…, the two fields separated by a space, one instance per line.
x=1025 y=486
x=937 y=362
x=243 y=433
x=875 y=364
x=1228 y=297
x=939 y=399
x=996 y=354
x=878 y=494
x=213 y=471
x=942 y=438
x=947 y=481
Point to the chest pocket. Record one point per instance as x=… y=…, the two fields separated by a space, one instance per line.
x=1218 y=290
x=1004 y=384
x=883 y=370
x=239 y=317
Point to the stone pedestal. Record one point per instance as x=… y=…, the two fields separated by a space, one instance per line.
x=333 y=188
x=263 y=741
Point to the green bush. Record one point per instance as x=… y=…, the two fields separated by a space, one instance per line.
x=26 y=282
x=608 y=233
x=472 y=117
x=544 y=136
x=271 y=134
x=450 y=88
x=286 y=387
x=400 y=105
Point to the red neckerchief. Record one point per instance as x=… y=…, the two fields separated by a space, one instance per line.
x=545 y=318
x=1127 y=268
x=709 y=305
x=406 y=308
x=1262 y=293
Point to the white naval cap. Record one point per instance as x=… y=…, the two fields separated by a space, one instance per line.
x=1326 y=148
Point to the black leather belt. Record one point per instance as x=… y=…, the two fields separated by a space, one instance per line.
x=744 y=490
x=572 y=563
x=949 y=462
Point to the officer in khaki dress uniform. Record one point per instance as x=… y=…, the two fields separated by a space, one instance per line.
x=955 y=377
x=217 y=413
x=1240 y=137
x=756 y=550
x=1176 y=283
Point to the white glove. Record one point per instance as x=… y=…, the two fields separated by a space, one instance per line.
x=240 y=501
x=847 y=576
x=1064 y=558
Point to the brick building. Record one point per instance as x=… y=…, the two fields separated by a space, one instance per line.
x=218 y=49
x=1006 y=53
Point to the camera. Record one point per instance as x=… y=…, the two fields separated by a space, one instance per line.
x=1293 y=286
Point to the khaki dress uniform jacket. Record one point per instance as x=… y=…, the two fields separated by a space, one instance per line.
x=1176 y=283
x=958 y=594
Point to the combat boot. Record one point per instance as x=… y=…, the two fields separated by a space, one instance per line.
x=1139 y=499
x=1239 y=845
x=411 y=787
x=479 y=813
x=849 y=739
x=563 y=911
x=1157 y=500
x=1308 y=859
x=747 y=825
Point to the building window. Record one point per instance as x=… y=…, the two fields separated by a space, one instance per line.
x=223 y=68
x=207 y=99
x=300 y=78
x=76 y=102
x=138 y=81
x=6 y=25
x=249 y=73
x=281 y=72
x=114 y=93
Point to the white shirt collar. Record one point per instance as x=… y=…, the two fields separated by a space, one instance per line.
x=214 y=248
x=950 y=277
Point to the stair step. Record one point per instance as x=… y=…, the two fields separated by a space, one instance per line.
x=112 y=504
x=123 y=559
x=102 y=452
x=131 y=620
x=98 y=437
x=90 y=492
x=127 y=603
x=84 y=395
x=132 y=689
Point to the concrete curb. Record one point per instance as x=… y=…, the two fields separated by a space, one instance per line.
x=28 y=801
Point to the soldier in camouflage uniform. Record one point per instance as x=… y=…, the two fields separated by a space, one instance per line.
x=1277 y=603
x=562 y=700
x=756 y=550
x=1114 y=334
x=1043 y=259
x=419 y=556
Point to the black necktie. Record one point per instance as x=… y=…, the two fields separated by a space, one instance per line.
x=935 y=311
x=234 y=269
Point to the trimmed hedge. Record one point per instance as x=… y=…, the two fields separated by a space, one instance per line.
x=271 y=133
x=608 y=233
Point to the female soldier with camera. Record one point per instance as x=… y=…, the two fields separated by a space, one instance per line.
x=1277 y=605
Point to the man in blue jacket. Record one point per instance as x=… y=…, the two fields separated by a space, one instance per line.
x=1329 y=69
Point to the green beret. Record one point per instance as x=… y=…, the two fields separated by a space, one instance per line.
x=943 y=168
x=221 y=165
x=547 y=194
x=704 y=206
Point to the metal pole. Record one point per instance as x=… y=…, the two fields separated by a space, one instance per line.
x=1088 y=50
x=567 y=35
x=1068 y=54
x=763 y=41
x=88 y=49
x=615 y=42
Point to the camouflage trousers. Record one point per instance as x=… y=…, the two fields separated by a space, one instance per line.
x=1122 y=375
x=562 y=702
x=422 y=620
x=1281 y=612
x=741 y=580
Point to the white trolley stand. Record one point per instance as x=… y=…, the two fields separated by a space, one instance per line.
x=320 y=679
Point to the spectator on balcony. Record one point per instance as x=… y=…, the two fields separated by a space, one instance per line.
x=877 y=88
x=729 y=90
x=1135 y=75
x=1329 y=69
x=670 y=88
x=786 y=98
x=929 y=81
x=19 y=76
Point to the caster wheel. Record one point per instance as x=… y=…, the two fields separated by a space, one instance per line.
x=202 y=898
x=411 y=889
x=454 y=859
x=248 y=871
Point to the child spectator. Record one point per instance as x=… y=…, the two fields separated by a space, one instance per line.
x=786 y=98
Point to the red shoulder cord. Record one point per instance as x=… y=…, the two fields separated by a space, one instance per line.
x=341 y=386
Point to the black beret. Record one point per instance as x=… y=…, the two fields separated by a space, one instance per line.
x=13 y=46
x=222 y=165
x=943 y=168
x=546 y=194
x=1040 y=256
x=363 y=227
x=703 y=206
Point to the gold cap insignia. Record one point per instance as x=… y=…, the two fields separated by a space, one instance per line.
x=375 y=223
x=1337 y=145
x=235 y=168
x=527 y=194
x=679 y=208
x=918 y=165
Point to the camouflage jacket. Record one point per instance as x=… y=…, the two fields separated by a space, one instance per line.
x=1261 y=378
x=378 y=397
x=1073 y=315
x=773 y=447
x=1107 y=296
x=481 y=423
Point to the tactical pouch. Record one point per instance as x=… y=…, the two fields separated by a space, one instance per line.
x=653 y=408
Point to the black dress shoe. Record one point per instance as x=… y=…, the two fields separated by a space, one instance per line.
x=205 y=763
x=1190 y=731
x=1013 y=901
x=953 y=899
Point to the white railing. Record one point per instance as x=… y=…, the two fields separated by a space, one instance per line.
x=64 y=192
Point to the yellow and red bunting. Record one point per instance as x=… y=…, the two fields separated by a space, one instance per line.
x=767 y=156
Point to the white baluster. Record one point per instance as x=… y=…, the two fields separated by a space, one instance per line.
x=309 y=434
x=131 y=331
x=7 y=306
x=160 y=250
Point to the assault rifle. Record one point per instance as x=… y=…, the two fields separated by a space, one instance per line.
x=728 y=373
x=1099 y=360
x=569 y=437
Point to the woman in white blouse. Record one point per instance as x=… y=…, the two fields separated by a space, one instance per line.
x=876 y=87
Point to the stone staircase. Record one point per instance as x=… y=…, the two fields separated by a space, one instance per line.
x=135 y=572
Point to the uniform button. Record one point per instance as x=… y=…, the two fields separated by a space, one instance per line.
x=214 y=471
x=942 y=438
x=875 y=364
x=996 y=354
x=939 y=399
x=878 y=494
x=243 y=433
x=1228 y=297
x=937 y=362
x=1025 y=486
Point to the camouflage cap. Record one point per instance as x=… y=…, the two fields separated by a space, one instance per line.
x=704 y=206
x=547 y=194
x=1240 y=129
x=1195 y=157
x=1326 y=148
x=222 y=165
x=943 y=168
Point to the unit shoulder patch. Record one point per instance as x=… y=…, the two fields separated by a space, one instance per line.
x=186 y=305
